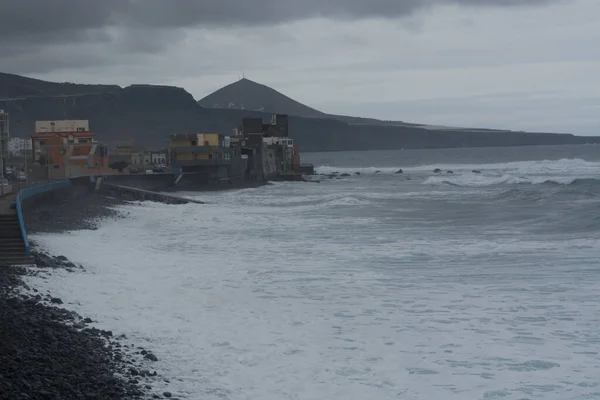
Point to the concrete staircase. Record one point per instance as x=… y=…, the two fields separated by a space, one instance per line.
x=12 y=248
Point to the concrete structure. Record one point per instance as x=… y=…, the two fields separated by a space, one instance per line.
x=66 y=125
x=269 y=147
x=132 y=193
x=4 y=149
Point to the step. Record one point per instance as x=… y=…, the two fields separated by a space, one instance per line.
x=8 y=247
x=23 y=261
x=11 y=241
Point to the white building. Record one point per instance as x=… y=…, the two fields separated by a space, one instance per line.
x=17 y=147
x=159 y=158
x=281 y=141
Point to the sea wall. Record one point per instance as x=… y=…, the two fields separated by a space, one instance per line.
x=59 y=206
x=30 y=198
x=156 y=182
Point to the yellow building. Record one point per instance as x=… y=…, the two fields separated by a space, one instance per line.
x=196 y=139
x=196 y=147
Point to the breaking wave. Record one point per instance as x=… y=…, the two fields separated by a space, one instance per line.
x=481 y=181
x=574 y=167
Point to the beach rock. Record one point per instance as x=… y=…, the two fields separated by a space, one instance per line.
x=449 y=172
x=400 y=171
x=151 y=357
x=378 y=172
x=42 y=356
x=345 y=175
x=167 y=394
x=476 y=171
x=437 y=171
x=357 y=173
x=56 y=300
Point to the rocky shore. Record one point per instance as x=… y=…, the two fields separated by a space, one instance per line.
x=72 y=214
x=47 y=352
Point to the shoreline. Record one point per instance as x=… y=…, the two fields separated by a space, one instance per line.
x=49 y=352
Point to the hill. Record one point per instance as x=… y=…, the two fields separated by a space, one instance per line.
x=148 y=114
x=251 y=96
x=12 y=86
x=248 y=95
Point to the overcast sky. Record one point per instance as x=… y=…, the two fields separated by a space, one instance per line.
x=517 y=64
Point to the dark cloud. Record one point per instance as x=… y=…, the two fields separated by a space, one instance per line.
x=44 y=35
x=73 y=20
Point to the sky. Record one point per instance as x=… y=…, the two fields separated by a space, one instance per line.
x=513 y=64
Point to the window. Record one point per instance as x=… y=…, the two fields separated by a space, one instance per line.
x=80 y=129
x=194 y=142
x=83 y=140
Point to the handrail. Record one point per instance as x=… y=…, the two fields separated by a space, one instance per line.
x=30 y=192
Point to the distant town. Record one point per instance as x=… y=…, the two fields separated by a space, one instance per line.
x=63 y=149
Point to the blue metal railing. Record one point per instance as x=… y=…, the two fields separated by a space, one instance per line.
x=30 y=192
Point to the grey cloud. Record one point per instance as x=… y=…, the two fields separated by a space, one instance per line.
x=42 y=35
x=71 y=20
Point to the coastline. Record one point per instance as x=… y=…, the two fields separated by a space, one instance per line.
x=49 y=352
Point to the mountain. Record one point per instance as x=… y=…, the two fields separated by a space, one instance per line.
x=19 y=86
x=249 y=95
x=149 y=113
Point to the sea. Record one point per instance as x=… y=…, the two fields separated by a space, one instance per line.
x=482 y=283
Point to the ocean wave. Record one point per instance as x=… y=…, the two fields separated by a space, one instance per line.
x=482 y=180
x=569 y=166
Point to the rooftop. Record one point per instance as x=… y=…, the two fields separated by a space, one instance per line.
x=49 y=134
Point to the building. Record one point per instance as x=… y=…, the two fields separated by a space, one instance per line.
x=19 y=147
x=4 y=138
x=158 y=157
x=68 y=148
x=40 y=142
x=141 y=159
x=67 y=158
x=65 y=125
x=208 y=156
x=268 y=147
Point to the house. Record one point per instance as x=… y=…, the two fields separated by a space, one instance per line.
x=67 y=158
x=207 y=155
x=40 y=141
x=68 y=148
x=269 y=146
x=158 y=157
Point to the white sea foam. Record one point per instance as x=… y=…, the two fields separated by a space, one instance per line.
x=547 y=167
x=306 y=291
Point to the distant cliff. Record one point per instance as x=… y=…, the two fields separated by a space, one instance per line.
x=148 y=114
x=19 y=86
